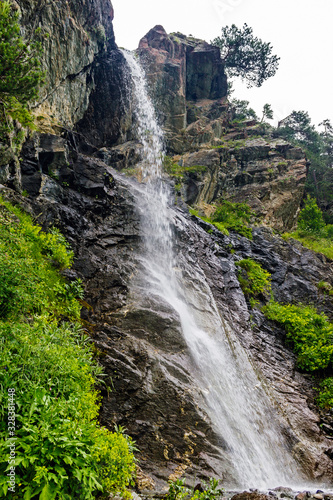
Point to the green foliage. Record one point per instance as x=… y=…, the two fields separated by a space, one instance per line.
x=245 y=55
x=298 y=129
x=254 y=280
x=310 y=333
x=115 y=461
x=178 y=490
x=242 y=111
x=316 y=243
x=20 y=69
x=234 y=216
x=61 y=452
x=312 y=231
x=267 y=112
x=325 y=397
x=325 y=287
x=310 y=218
x=177 y=171
x=229 y=215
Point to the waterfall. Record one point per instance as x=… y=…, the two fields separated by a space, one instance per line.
x=238 y=407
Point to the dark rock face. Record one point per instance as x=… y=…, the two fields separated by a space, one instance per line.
x=205 y=78
x=80 y=38
x=108 y=118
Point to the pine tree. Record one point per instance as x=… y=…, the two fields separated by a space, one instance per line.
x=20 y=69
x=245 y=55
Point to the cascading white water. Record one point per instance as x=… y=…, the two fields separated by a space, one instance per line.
x=238 y=406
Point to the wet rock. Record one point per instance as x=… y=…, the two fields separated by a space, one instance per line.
x=251 y=495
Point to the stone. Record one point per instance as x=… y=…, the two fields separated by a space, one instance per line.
x=180 y=69
x=252 y=495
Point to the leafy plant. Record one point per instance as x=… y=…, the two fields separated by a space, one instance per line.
x=325 y=396
x=310 y=218
x=242 y=111
x=204 y=491
x=253 y=279
x=310 y=333
x=267 y=112
x=61 y=452
x=234 y=216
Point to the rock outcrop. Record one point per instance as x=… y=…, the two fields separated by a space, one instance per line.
x=269 y=175
x=180 y=69
x=188 y=84
x=80 y=57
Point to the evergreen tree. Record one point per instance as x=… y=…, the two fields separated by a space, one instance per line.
x=267 y=112
x=20 y=68
x=246 y=56
x=311 y=217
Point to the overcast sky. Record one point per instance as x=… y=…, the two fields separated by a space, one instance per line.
x=300 y=31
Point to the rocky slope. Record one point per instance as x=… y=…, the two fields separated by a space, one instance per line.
x=71 y=180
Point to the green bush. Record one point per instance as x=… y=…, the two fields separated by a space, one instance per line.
x=317 y=243
x=234 y=216
x=178 y=490
x=253 y=279
x=325 y=397
x=60 y=451
x=229 y=215
x=178 y=171
x=311 y=217
x=310 y=333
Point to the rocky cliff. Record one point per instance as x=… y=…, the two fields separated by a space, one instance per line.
x=70 y=176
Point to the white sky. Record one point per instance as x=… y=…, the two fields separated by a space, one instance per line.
x=300 y=31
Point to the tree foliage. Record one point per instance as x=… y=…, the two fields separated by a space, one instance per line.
x=311 y=217
x=20 y=68
x=298 y=129
x=245 y=55
x=267 y=112
x=242 y=111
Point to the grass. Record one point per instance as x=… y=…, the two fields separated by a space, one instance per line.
x=314 y=242
x=178 y=171
x=230 y=216
x=48 y=376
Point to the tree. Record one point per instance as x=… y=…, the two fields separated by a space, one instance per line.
x=297 y=127
x=20 y=68
x=246 y=56
x=242 y=111
x=311 y=217
x=267 y=112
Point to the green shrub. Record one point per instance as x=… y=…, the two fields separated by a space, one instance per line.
x=310 y=333
x=253 y=279
x=60 y=451
x=178 y=490
x=325 y=397
x=229 y=215
x=178 y=171
x=311 y=217
x=234 y=216
x=314 y=242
